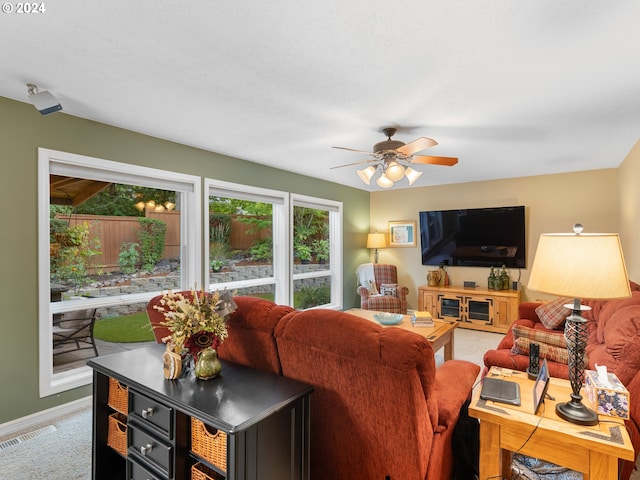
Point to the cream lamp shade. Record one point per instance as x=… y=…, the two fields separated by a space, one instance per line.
x=376 y=240
x=384 y=181
x=366 y=173
x=580 y=265
x=412 y=175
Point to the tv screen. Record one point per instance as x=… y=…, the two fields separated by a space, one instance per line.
x=476 y=237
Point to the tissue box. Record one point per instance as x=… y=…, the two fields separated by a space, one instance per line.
x=607 y=399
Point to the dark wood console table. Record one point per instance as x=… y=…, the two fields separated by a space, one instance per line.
x=265 y=418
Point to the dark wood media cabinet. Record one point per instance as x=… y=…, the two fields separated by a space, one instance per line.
x=265 y=418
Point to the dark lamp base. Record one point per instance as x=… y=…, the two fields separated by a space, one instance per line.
x=575 y=412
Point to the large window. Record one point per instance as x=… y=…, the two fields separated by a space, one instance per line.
x=274 y=245
x=317 y=252
x=112 y=236
x=246 y=241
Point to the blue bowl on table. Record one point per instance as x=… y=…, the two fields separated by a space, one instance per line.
x=386 y=318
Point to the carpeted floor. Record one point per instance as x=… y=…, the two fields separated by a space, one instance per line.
x=64 y=452
x=61 y=452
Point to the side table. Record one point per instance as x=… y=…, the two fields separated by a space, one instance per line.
x=505 y=429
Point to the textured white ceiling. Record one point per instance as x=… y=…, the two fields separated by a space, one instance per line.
x=510 y=87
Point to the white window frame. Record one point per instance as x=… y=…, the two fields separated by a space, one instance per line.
x=70 y=164
x=280 y=227
x=335 y=252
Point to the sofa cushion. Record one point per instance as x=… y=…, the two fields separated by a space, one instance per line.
x=556 y=354
x=553 y=314
x=367 y=380
x=251 y=340
x=608 y=309
x=621 y=350
x=553 y=338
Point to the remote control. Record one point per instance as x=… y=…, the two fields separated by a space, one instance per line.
x=534 y=360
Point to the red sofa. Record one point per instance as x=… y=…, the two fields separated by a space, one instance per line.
x=614 y=341
x=380 y=408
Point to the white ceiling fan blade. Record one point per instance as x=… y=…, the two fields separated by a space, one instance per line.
x=416 y=146
x=445 y=161
x=352 y=150
x=351 y=164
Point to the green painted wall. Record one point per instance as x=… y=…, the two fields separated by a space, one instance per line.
x=22 y=131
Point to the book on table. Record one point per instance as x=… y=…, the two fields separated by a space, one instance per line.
x=422 y=319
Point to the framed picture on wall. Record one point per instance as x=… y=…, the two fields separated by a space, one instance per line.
x=402 y=234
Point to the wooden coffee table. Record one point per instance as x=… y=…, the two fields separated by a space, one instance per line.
x=592 y=450
x=440 y=335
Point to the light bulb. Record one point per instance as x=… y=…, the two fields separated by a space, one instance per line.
x=394 y=171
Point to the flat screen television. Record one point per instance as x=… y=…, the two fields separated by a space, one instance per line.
x=474 y=237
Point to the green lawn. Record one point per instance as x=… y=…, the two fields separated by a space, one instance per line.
x=136 y=327
x=127 y=329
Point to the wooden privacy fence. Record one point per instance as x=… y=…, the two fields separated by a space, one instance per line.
x=112 y=232
x=242 y=237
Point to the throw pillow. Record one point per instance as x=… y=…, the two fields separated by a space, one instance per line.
x=539 y=336
x=553 y=314
x=389 y=289
x=555 y=354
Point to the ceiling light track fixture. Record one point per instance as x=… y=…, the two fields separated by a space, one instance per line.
x=393 y=158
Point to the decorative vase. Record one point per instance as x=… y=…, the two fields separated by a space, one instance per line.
x=207 y=364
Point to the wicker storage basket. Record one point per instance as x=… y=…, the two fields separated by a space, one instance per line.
x=211 y=446
x=118 y=396
x=202 y=472
x=117 y=433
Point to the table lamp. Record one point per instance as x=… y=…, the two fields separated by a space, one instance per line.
x=579 y=266
x=376 y=241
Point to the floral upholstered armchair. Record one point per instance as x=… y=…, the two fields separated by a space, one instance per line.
x=379 y=290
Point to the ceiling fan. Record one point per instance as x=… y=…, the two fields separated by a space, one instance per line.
x=393 y=158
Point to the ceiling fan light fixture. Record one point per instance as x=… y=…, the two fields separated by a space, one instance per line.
x=412 y=175
x=394 y=171
x=366 y=173
x=392 y=159
x=384 y=182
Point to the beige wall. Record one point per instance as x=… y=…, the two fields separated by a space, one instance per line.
x=553 y=203
x=629 y=176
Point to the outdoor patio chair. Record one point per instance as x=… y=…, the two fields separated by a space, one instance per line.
x=76 y=329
